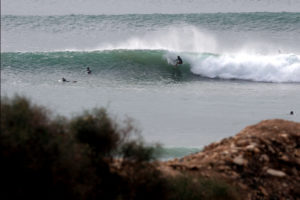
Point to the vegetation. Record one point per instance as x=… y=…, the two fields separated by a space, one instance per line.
x=87 y=157
x=195 y=188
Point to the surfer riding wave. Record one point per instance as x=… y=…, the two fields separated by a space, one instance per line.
x=178 y=61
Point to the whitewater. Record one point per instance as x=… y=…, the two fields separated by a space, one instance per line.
x=241 y=63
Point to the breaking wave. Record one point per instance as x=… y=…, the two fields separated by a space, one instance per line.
x=150 y=64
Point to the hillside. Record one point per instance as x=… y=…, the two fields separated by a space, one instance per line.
x=263 y=161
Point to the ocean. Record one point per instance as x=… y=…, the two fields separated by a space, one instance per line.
x=241 y=63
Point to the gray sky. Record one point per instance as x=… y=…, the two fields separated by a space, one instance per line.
x=95 y=7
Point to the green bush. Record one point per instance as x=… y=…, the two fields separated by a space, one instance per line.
x=31 y=153
x=43 y=157
x=138 y=152
x=46 y=157
x=193 y=188
x=97 y=130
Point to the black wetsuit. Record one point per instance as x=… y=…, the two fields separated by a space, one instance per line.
x=179 y=60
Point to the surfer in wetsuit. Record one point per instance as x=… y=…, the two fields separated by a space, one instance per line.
x=88 y=71
x=178 y=61
x=64 y=80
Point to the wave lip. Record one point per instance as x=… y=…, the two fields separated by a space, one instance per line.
x=276 y=68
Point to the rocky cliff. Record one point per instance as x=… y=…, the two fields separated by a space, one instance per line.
x=262 y=161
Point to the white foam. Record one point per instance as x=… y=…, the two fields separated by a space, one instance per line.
x=269 y=68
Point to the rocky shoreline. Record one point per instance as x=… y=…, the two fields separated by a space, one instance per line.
x=262 y=161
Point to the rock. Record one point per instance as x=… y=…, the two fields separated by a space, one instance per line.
x=232 y=146
x=242 y=143
x=297 y=161
x=233 y=174
x=297 y=153
x=284 y=135
x=271 y=149
x=243 y=186
x=251 y=146
x=295 y=171
x=264 y=158
x=239 y=160
x=284 y=158
x=284 y=184
x=256 y=150
x=263 y=190
x=225 y=153
x=223 y=168
x=250 y=161
x=274 y=172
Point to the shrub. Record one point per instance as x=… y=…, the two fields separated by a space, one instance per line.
x=97 y=130
x=45 y=157
x=187 y=187
x=30 y=153
x=136 y=151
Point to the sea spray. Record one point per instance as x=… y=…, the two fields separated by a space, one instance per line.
x=178 y=39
